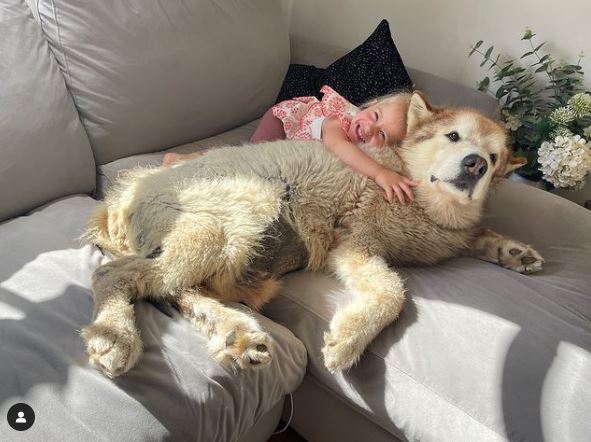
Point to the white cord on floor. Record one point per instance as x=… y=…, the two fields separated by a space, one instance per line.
x=290 y=416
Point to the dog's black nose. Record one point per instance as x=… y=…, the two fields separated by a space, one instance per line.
x=475 y=165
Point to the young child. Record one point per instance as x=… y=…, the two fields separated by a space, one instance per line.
x=342 y=128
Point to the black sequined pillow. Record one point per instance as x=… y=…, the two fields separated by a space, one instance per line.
x=372 y=69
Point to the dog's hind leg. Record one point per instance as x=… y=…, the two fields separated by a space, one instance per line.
x=236 y=340
x=379 y=298
x=113 y=340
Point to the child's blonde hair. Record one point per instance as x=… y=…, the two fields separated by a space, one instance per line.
x=393 y=97
x=388 y=98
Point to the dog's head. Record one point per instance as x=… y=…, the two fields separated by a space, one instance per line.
x=455 y=153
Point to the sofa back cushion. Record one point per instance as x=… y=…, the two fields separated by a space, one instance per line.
x=151 y=74
x=44 y=151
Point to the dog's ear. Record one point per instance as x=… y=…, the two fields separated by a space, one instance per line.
x=419 y=109
x=512 y=164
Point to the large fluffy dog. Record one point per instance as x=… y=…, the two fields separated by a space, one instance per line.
x=227 y=225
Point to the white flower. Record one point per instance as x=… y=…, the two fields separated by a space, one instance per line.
x=512 y=122
x=560 y=131
x=562 y=115
x=587 y=131
x=565 y=161
x=580 y=104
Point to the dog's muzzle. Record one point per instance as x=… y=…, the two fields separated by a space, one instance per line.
x=473 y=167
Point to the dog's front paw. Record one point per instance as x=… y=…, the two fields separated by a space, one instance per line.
x=340 y=352
x=242 y=348
x=112 y=350
x=519 y=257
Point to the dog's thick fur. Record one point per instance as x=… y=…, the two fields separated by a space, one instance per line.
x=227 y=225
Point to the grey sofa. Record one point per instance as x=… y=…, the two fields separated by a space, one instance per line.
x=88 y=89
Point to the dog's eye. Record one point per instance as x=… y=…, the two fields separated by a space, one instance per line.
x=453 y=136
x=493 y=158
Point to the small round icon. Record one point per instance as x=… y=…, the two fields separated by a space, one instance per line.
x=21 y=417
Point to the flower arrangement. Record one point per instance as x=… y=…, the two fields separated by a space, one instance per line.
x=545 y=110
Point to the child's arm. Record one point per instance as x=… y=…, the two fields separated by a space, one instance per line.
x=335 y=139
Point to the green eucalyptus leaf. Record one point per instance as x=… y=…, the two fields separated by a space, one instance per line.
x=495 y=63
x=531 y=97
x=483 y=85
x=541 y=68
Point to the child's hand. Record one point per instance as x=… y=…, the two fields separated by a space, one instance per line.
x=392 y=183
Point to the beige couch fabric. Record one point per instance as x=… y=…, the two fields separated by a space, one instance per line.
x=44 y=151
x=107 y=174
x=176 y=392
x=148 y=75
x=480 y=353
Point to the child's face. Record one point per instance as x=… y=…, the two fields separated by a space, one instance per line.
x=379 y=125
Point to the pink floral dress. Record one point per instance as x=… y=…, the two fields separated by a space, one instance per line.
x=302 y=117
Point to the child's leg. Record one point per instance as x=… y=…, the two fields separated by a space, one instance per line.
x=172 y=157
x=270 y=128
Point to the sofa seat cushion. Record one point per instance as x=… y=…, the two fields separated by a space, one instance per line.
x=480 y=352
x=107 y=173
x=174 y=393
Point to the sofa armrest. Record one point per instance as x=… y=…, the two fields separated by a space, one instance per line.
x=439 y=90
